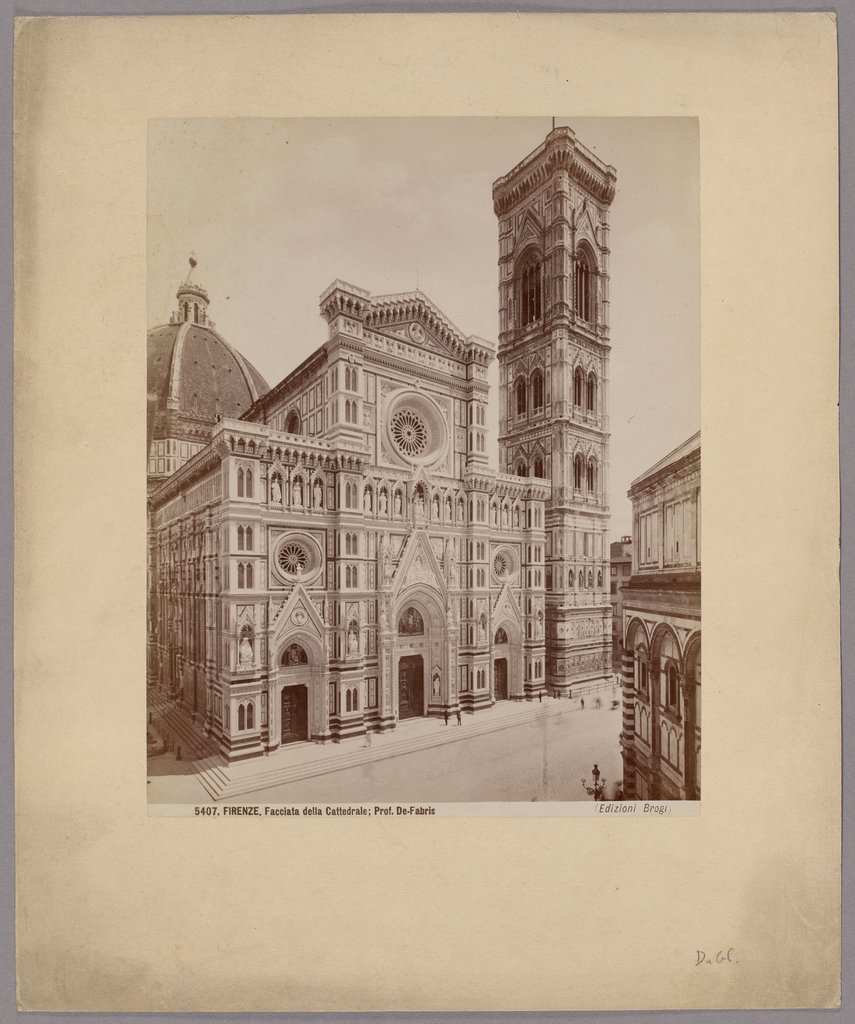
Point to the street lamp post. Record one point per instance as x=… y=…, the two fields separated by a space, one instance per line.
x=596 y=789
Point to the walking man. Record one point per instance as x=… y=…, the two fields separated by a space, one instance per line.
x=459 y=719
x=446 y=716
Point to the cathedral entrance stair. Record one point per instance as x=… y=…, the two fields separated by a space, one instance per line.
x=223 y=781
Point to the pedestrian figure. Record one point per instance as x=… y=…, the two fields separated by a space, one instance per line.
x=367 y=742
x=599 y=703
x=446 y=716
x=582 y=701
x=540 y=696
x=459 y=719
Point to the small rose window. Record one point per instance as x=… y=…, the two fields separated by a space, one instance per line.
x=293 y=558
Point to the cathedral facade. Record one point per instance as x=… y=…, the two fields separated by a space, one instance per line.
x=340 y=556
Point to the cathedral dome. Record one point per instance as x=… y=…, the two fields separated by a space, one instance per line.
x=195 y=378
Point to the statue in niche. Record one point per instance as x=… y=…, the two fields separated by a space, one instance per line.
x=516 y=517
x=538 y=626
x=298 y=492
x=436 y=682
x=366 y=500
x=398 y=503
x=384 y=505
x=276 y=491
x=384 y=618
x=318 y=495
x=245 y=652
x=505 y=516
x=460 y=511
x=352 y=642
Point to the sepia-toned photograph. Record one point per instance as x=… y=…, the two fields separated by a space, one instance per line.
x=423 y=473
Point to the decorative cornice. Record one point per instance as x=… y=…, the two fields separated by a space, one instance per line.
x=559 y=151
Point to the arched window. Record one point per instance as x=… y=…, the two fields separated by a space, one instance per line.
x=354 y=380
x=537 y=390
x=347 y=378
x=347 y=700
x=538 y=467
x=240 y=483
x=591 y=394
x=521 y=396
x=347 y=575
x=241 y=717
x=248 y=483
x=248 y=541
x=578 y=384
x=240 y=538
x=250 y=716
x=592 y=476
x=584 y=291
x=531 y=293
x=522 y=468
x=356 y=700
x=577 y=472
x=673 y=690
x=186 y=310
x=501 y=636
x=240 y=576
x=195 y=312
x=249 y=575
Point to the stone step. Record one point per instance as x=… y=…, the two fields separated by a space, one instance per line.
x=242 y=785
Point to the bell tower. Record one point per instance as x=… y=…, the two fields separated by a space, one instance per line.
x=553 y=211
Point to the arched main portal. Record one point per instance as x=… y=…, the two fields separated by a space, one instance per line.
x=295 y=711
x=508 y=675
x=420 y=657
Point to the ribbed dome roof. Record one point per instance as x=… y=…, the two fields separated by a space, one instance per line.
x=194 y=378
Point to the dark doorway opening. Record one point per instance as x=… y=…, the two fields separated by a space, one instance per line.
x=295 y=714
x=411 y=687
x=501 y=678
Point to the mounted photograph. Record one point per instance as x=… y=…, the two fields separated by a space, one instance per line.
x=423 y=464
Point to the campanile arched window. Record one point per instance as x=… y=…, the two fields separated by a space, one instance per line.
x=537 y=390
x=584 y=286
x=591 y=393
x=577 y=472
x=578 y=386
x=521 y=396
x=531 y=292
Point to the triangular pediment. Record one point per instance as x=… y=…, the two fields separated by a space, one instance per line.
x=529 y=231
x=506 y=607
x=419 y=565
x=298 y=612
x=411 y=317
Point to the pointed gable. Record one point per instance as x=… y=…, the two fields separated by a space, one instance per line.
x=419 y=565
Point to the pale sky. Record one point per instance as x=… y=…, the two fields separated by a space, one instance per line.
x=275 y=210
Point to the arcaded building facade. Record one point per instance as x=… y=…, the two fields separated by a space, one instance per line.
x=340 y=556
x=661 y=669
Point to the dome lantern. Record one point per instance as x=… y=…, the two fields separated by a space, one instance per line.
x=192 y=300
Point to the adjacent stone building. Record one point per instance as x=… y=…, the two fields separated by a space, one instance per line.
x=661 y=733
x=620 y=571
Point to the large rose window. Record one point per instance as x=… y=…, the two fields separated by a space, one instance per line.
x=416 y=427
x=409 y=432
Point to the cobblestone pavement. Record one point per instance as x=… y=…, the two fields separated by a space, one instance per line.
x=543 y=759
